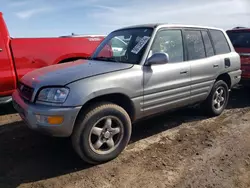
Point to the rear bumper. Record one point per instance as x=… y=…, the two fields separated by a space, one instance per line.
x=29 y=113
x=235 y=77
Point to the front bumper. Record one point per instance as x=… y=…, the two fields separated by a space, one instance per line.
x=29 y=112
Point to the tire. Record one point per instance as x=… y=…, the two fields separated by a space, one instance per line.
x=89 y=125
x=209 y=105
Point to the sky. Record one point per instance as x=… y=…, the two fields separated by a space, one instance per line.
x=45 y=18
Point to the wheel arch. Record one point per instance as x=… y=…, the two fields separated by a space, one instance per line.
x=226 y=78
x=117 y=98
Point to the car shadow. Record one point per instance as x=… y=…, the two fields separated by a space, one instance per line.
x=6 y=109
x=27 y=156
x=239 y=98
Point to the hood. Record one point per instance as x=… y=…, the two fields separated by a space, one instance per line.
x=62 y=74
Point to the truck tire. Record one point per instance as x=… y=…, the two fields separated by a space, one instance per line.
x=101 y=133
x=217 y=100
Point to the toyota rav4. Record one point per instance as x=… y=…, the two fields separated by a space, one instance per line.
x=161 y=68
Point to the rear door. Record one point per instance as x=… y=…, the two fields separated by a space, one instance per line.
x=204 y=64
x=7 y=74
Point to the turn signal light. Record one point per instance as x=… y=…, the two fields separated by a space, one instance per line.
x=52 y=120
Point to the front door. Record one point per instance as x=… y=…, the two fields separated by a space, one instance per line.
x=167 y=86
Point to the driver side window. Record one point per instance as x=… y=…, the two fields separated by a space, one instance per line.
x=170 y=42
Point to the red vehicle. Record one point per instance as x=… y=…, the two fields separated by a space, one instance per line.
x=19 y=56
x=240 y=38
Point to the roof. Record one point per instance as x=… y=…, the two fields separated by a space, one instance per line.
x=155 y=25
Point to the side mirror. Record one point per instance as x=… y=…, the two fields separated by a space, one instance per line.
x=157 y=59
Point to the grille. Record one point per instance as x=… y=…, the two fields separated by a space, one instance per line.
x=25 y=91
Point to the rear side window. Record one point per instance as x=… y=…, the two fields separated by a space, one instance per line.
x=208 y=44
x=220 y=42
x=239 y=39
x=195 y=46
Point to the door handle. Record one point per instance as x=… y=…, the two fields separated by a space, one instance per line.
x=183 y=72
x=1 y=49
x=215 y=65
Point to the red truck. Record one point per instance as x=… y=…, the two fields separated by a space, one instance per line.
x=19 y=56
x=240 y=38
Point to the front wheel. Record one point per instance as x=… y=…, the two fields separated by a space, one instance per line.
x=217 y=100
x=102 y=133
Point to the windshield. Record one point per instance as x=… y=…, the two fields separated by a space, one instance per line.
x=240 y=39
x=126 y=46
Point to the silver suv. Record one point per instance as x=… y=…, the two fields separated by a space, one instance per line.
x=161 y=67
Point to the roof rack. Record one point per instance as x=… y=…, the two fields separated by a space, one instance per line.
x=239 y=27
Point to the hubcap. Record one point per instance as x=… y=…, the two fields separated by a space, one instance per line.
x=219 y=98
x=106 y=135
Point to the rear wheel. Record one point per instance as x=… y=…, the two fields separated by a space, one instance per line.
x=102 y=133
x=217 y=100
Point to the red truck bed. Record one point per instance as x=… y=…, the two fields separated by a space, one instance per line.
x=33 y=53
x=18 y=56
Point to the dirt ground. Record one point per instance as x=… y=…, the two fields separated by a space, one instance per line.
x=180 y=149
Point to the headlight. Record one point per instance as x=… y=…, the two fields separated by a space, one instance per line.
x=53 y=95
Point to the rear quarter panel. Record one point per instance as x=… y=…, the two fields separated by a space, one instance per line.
x=33 y=53
x=234 y=56
x=235 y=62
